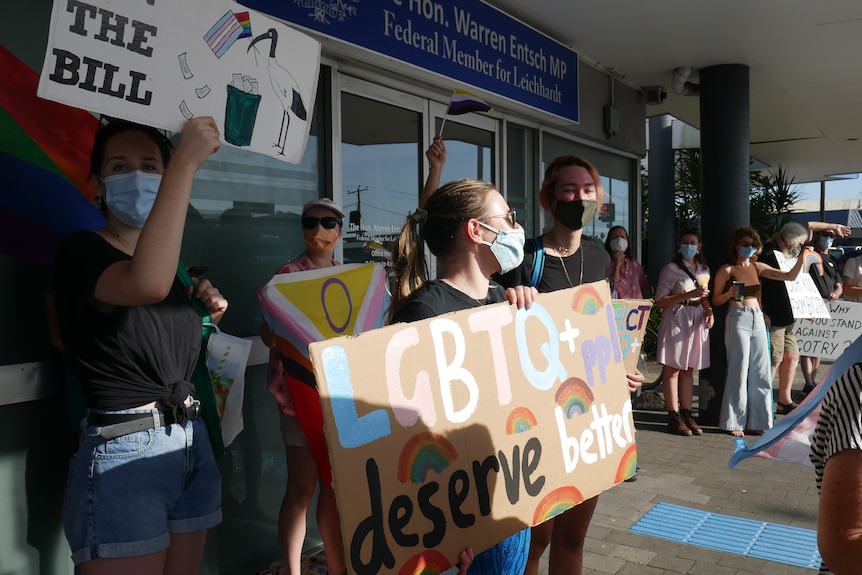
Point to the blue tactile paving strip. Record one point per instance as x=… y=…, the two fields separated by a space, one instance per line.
x=769 y=541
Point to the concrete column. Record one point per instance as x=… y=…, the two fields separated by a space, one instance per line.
x=725 y=136
x=662 y=215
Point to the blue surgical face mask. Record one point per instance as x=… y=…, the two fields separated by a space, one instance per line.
x=747 y=252
x=130 y=196
x=687 y=251
x=507 y=247
x=826 y=242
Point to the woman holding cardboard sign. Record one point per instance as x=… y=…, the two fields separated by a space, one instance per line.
x=559 y=259
x=468 y=225
x=747 y=403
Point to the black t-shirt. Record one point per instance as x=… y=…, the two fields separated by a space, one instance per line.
x=124 y=356
x=438 y=297
x=826 y=283
x=596 y=266
x=775 y=301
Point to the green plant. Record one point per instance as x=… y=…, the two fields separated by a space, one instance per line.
x=772 y=197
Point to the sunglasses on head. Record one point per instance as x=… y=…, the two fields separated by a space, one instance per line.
x=508 y=216
x=328 y=222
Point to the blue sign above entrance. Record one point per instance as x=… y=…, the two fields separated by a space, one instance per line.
x=466 y=40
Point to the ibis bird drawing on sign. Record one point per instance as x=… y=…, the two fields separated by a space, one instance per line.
x=285 y=86
x=165 y=63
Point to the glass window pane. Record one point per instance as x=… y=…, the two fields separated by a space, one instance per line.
x=243 y=220
x=381 y=174
x=469 y=151
x=521 y=182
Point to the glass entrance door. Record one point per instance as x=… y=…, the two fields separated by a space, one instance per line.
x=381 y=167
x=384 y=135
x=471 y=145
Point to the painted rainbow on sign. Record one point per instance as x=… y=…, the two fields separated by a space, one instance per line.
x=628 y=464
x=429 y=562
x=574 y=396
x=520 y=419
x=813 y=259
x=556 y=502
x=587 y=300
x=424 y=452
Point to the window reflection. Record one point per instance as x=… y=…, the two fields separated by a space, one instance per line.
x=381 y=175
x=243 y=222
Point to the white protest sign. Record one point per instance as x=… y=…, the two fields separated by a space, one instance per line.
x=161 y=63
x=804 y=297
x=829 y=337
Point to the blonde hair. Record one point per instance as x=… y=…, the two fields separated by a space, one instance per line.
x=447 y=209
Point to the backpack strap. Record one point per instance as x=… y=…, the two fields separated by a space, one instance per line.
x=538 y=261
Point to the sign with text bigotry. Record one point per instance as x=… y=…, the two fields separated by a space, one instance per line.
x=466 y=41
x=828 y=337
x=463 y=429
x=161 y=63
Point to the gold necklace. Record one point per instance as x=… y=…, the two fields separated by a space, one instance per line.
x=566 y=271
x=458 y=286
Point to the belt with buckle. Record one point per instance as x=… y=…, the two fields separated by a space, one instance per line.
x=119 y=424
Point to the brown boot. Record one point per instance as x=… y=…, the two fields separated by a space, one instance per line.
x=685 y=414
x=676 y=425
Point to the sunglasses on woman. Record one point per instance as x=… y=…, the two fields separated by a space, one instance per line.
x=328 y=222
x=508 y=216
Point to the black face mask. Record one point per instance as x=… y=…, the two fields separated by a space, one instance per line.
x=575 y=214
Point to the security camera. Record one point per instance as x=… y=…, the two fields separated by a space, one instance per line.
x=655 y=95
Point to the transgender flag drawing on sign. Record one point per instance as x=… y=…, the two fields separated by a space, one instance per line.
x=226 y=31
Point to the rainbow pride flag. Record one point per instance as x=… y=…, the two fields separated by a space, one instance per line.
x=44 y=156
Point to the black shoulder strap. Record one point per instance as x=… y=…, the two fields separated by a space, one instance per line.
x=687 y=271
x=538 y=261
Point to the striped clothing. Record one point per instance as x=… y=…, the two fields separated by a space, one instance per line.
x=840 y=424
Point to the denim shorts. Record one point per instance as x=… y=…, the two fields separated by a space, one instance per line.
x=125 y=496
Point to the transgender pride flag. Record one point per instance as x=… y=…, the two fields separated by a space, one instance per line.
x=226 y=31
x=790 y=439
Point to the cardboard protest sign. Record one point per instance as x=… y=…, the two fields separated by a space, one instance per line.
x=162 y=63
x=631 y=317
x=829 y=337
x=463 y=429
x=805 y=299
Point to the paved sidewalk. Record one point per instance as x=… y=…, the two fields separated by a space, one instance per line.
x=693 y=472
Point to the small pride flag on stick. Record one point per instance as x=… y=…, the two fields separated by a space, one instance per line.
x=463 y=102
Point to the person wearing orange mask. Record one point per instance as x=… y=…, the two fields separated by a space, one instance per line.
x=322 y=222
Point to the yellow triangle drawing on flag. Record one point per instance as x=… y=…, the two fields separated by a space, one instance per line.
x=332 y=304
